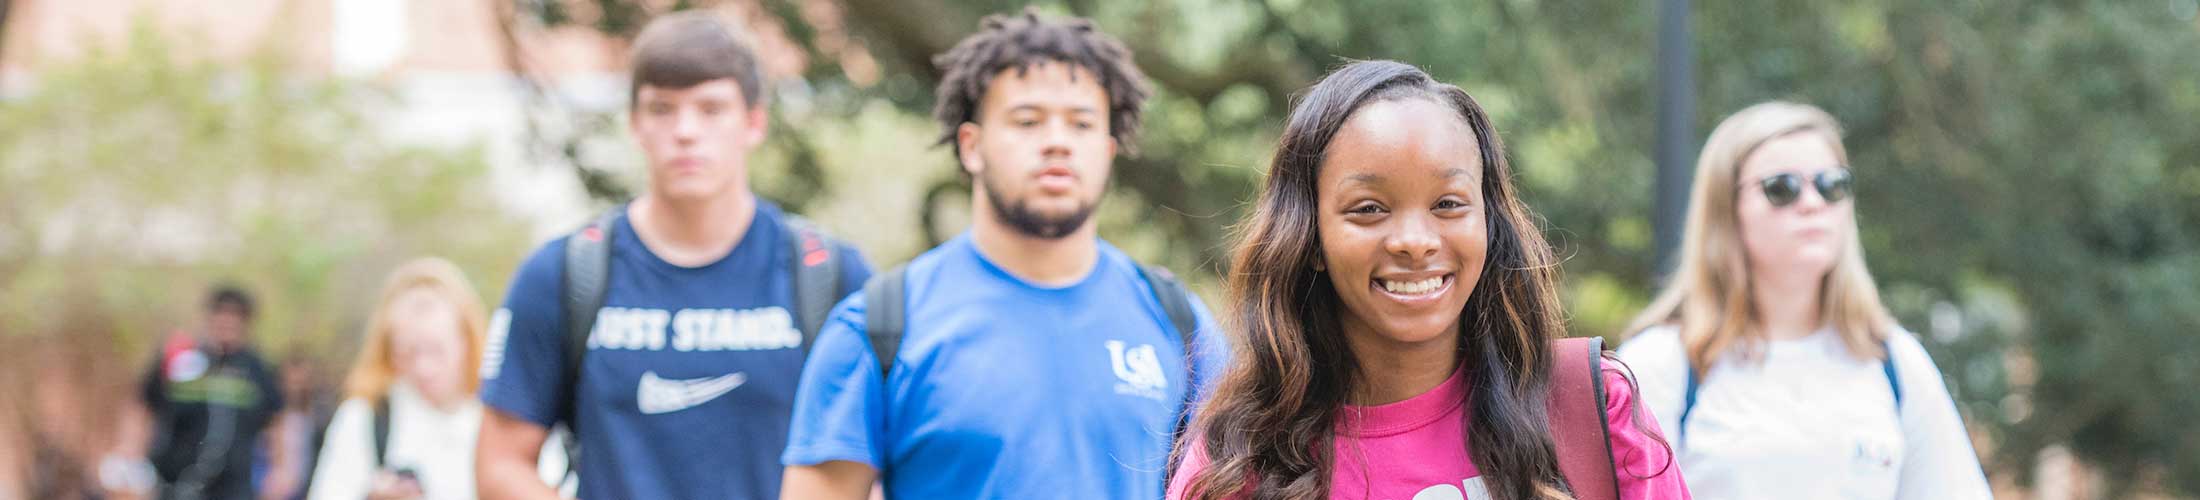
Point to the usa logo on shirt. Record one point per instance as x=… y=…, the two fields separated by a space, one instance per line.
x=1138 y=369
x=1877 y=454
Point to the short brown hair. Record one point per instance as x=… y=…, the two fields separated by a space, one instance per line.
x=1006 y=41
x=684 y=49
x=231 y=297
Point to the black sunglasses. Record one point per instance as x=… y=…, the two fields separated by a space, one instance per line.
x=1783 y=189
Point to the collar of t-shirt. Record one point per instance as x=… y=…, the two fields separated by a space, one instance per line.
x=1821 y=339
x=968 y=243
x=762 y=235
x=1446 y=399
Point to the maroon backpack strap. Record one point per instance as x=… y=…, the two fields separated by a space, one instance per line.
x=1577 y=418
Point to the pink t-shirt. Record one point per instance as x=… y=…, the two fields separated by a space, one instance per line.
x=1417 y=450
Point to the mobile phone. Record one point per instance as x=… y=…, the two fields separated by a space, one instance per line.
x=406 y=474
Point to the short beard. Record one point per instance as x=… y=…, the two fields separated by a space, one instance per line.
x=1023 y=219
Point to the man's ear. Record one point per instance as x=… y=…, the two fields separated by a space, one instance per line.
x=967 y=136
x=760 y=121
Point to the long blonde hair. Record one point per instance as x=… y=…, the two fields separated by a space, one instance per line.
x=374 y=371
x=1709 y=296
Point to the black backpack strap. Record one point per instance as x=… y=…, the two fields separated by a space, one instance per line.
x=1176 y=302
x=816 y=275
x=884 y=300
x=381 y=431
x=587 y=280
x=884 y=314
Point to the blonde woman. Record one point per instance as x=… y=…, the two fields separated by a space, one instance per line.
x=410 y=418
x=1769 y=359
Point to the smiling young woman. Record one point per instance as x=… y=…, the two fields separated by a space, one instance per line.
x=1395 y=312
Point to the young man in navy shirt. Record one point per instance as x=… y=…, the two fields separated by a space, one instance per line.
x=678 y=371
x=1026 y=358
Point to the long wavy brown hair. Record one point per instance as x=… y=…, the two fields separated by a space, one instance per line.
x=1269 y=428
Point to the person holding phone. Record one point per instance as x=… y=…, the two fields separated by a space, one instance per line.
x=408 y=426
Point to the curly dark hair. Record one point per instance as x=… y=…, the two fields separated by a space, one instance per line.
x=1019 y=41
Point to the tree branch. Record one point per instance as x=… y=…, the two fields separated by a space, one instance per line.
x=900 y=35
x=596 y=183
x=1252 y=63
x=5 y=7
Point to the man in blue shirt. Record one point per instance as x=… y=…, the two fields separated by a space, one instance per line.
x=1026 y=358
x=678 y=372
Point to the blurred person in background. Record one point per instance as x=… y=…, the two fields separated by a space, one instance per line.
x=296 y=432
x=210 y=396
x=408 y=423
x=50 y=422
x=1769 y=357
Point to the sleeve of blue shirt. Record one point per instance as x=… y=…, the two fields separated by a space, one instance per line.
x=1210 y=357
x=523 y=368
x=840 y=408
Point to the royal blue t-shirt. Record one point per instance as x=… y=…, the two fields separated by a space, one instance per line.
x=690 y=372
x=1005 y=389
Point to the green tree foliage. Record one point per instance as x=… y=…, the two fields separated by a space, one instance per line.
x=135 y=177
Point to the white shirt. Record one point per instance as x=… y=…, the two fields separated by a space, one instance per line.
x=437 y=445
x=1811 y=421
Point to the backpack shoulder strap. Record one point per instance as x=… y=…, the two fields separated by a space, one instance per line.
x=884 y=300
x=381 y=431
x=1695 y=386
x=1578 y=424
x=587 y=280
x=816 y=275
x=1175 y=300
x=1688 y=397
x=1894 y=381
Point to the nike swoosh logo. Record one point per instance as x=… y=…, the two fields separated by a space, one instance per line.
x=658 y=395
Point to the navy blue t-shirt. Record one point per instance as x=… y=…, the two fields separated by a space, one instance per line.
x=1006 y=389
x=690 y=372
